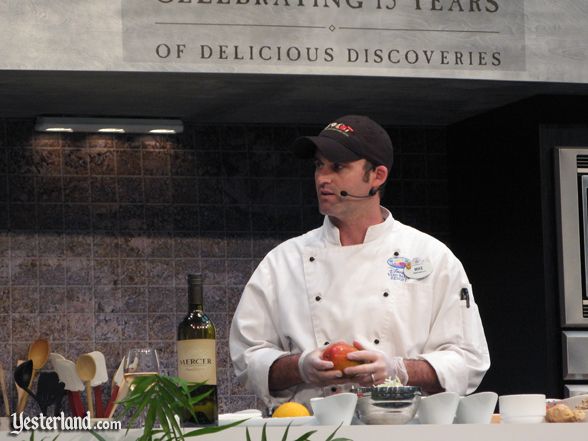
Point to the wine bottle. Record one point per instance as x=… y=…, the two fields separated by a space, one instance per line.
x=196 y=347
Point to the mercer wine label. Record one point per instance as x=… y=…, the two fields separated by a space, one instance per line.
x=197 y=361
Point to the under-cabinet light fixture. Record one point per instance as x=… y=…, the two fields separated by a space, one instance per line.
x=109 y=125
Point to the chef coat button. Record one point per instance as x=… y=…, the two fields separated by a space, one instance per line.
x=396 y=253
x=333 y=388
x=318 y=298
x=326 y=343
x=311 y=259
x=386 y=294
x=376 y=341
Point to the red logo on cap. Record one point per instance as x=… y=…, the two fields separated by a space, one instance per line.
x=340 y=127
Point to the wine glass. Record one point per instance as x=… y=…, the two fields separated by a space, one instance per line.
x=139 y=363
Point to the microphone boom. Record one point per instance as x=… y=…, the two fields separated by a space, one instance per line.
x=345 y=194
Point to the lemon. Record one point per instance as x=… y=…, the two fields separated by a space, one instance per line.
x=290 y=409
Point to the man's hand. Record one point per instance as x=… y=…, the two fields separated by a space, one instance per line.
x=318 y=372
x=375 y=368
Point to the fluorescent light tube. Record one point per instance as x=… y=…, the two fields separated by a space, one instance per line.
x=108 y=125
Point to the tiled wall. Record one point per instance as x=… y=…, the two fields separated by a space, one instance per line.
x=97 y=233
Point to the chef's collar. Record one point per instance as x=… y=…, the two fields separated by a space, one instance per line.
x=373 y=233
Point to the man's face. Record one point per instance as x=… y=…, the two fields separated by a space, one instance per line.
x=333 y=177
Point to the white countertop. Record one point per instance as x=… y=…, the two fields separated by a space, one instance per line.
x=455 y=432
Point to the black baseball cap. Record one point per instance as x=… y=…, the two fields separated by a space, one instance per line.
x=347 y=139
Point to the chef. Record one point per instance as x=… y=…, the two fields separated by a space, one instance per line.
x=398 y=295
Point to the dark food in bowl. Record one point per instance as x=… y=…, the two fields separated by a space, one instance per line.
x=387 y=405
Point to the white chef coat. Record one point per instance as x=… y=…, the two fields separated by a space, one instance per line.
x=310 y=291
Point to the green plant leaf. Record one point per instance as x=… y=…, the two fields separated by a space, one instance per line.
x=305 y=436
x=162 y=417
x=137 y=411
x=263 y=436
x=161 y=398
x=97 y=435
x=332 y=435
x=149 y=422
x=247 y=436
x=180 y=396
x=200 y=397
x=155 y=432
x=285 y=436
x=172 y=389
x=167 y=419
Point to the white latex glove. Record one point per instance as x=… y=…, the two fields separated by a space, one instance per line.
x=376 y=367
x=316 y=371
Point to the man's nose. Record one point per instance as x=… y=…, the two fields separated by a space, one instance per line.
x=323 y=173
x=322 y=177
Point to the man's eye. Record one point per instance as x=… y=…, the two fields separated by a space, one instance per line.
x=337 y=166
x=318 y=164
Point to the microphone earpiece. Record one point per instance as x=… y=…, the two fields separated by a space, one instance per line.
x=373 y=191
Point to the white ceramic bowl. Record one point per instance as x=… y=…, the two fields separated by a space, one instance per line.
x=439 y=408
x=334 y=409
x=523 y=408
x=476 y=408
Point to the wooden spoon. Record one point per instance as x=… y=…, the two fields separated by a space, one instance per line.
x=39 y=354
x=86 y=369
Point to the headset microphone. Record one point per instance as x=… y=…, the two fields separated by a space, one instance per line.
x=372 y=192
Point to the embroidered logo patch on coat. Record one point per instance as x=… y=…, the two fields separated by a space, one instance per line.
x=397 y=265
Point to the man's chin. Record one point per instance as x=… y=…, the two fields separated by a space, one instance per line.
x=326 y=209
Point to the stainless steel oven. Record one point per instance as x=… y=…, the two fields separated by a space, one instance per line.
x=572 y=223
x=572 y=198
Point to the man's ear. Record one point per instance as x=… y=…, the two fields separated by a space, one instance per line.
x=381 y=174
